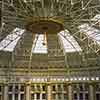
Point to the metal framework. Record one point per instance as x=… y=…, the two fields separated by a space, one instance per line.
x=83 y=61
x=54 y=65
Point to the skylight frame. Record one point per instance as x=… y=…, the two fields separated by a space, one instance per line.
x=38 y=47
x=90 y=32
x=10 y=41
x=69 y=43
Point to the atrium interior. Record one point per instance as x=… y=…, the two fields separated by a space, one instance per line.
x=49 y=49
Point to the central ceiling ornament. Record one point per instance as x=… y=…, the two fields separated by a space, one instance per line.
x=42 y=25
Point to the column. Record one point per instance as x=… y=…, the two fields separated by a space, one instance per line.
x=35 y=96
x=41 y=92
x=19 y=94
x=13 y=92
x=91 y=92
x=70 y=93
x=28 y=91
x=49 y=90
x=62 y=88
x=6 y=91
x=40 y=96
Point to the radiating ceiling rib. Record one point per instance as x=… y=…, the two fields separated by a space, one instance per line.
x=0 y=15
x=90 y=7
x=69 y=43
x=87 y=4
x=10 y=13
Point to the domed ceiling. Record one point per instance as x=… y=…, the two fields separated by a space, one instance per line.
x=67 y=31
x=50 y=16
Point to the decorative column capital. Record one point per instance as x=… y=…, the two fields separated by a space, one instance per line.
x=48 y=83
x=28 y=82
x=69 y=83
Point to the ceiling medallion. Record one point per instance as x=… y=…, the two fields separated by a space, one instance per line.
x=42 y=25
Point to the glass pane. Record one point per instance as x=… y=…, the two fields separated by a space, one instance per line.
x=97 y=96
x=38 y=95
x=81 y=96
x=53 y=88
x=65 y=96
x=43 y=96
x=32 y=96
x=97 y=87
x=53 y=96
x=16 y=88
x=10 y=96
x=81 y=87
x=16 y=96
x=22 y=88
x=69 y=42
x=65 y=87
x=10 y=41
x=39 y=45
x=38 y=87
x=10 y=88
x=91 y=32
x=44 y=88
x=59 y=96
x=75 y=96
x=59 y=88
x=0 y=88
x=86 y=96
x=22 y=97
x=75 y=87
x=86 y=87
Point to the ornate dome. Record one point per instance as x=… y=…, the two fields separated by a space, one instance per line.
x=51 y=35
